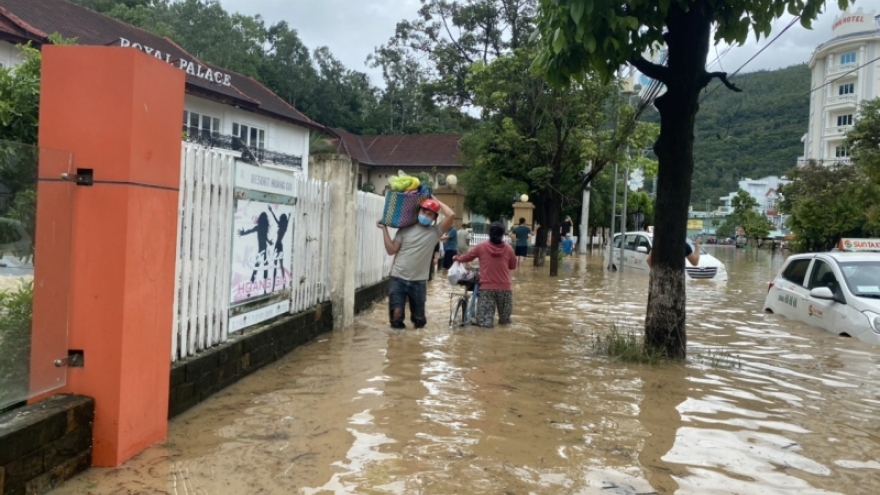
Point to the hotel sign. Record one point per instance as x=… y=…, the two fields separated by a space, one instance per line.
x=846 y=20
x=191 y=68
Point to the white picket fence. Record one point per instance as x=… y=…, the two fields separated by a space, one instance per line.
x=202 y=285
x=311 y=245
x=373 y=263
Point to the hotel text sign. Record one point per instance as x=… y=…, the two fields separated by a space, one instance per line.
x=846 y=20
x=191 y=68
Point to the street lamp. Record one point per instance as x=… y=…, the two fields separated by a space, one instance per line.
x=524 y=198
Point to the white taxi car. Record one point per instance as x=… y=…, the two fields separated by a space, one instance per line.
x=837 y=291
x=637 y=245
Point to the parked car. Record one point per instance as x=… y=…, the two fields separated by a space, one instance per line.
x=637 y=245
x=837 y=291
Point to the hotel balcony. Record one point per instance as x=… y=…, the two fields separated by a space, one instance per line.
x=842 y=100
x=842 y=69
x=836 y=132
x=234 y=143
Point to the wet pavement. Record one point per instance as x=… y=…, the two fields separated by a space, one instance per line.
x=762 y=406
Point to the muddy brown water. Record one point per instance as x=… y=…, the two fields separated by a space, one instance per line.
x=762 y=406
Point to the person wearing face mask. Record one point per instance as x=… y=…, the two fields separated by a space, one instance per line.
x=413 y=248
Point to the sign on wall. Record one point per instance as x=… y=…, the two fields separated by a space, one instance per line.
x=262 y=244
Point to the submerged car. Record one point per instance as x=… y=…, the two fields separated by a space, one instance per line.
x=637 y=245
x=837 y=291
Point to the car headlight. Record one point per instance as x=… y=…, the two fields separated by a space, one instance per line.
x=874 y=320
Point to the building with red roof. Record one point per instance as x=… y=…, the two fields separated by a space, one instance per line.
x=222 y=108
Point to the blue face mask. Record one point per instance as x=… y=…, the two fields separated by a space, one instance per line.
x=426 y=221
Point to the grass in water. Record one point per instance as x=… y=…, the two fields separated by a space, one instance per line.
x=627 y=345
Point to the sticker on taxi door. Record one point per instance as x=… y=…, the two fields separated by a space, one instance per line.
x=815 y=312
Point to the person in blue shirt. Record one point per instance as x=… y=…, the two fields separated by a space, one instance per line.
x=450 y=246
x=567 y=245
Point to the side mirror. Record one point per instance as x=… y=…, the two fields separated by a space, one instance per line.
x=642 y=249
x=822 y=293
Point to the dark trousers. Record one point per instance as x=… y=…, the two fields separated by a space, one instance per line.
x=399 y=292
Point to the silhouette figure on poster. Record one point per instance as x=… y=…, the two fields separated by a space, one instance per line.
x=278 y=258
x=262 y=231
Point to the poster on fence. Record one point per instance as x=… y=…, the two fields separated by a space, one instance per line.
x=262 y=246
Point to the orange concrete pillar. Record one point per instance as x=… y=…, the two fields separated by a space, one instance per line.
x=119 y=112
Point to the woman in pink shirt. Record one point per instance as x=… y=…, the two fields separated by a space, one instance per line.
x=496 y=259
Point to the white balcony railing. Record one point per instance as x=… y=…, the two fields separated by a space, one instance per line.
x=837 y=131
x=840 y=99
x=837 y=69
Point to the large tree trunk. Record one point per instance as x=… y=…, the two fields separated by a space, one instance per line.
x=688 y=42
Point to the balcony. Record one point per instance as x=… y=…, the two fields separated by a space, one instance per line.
x=849 y=100
x=837 y=132
x=842 y=69
x=234 y=143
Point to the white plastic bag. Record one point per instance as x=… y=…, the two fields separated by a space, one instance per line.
x=456 y=273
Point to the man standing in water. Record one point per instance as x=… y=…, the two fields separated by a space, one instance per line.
x=522 y=233
x=413 y=248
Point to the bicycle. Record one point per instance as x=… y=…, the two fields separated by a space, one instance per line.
x=462 y=304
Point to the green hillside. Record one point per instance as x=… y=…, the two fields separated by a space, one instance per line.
x=750 y=134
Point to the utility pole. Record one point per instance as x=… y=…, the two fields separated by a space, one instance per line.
x=585 y=238
x=613 y=215
x=623 y=211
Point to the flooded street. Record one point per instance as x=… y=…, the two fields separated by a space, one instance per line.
x=762 y=406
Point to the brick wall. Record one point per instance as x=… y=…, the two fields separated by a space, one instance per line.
x=364 y=298
x=45 y=443
x=195 y=379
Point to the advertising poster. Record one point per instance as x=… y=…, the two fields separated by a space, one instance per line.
x=262 y=245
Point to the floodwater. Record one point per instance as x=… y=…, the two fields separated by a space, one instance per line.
x=762 y=406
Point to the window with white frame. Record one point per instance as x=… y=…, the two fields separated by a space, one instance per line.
x=841 y=152
x=253 y=137
x=843 y=120
x=846 y=89
x=848 y=58
x=200 y=126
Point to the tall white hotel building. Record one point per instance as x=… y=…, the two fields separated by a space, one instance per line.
x=841 y=65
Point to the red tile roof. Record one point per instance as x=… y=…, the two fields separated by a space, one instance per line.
x=427 y=150
x=39 y=17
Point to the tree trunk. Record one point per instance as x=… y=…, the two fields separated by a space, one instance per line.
x=541 y=232
x=554 y=217
x=688 y=41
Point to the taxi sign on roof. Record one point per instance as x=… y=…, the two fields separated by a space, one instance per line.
x=859 y=245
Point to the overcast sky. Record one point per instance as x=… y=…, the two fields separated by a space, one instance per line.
x=352 y=28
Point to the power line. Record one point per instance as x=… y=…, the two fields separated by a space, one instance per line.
x=817 y=88
x=790 y=24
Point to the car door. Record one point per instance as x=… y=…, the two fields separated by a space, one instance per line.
x=629 y=251
x=614 y=251
x=790 y=291
x=640 y=259
x=823 y=313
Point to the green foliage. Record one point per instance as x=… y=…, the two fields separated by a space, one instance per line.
x=745 y=215
x=313 y=81
x=16 y=314
x=863 y=140
x=827 y=202
x=583 y=36
x=20 y=98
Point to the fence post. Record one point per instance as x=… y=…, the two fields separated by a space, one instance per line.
x=118 y=111
x=340 y=172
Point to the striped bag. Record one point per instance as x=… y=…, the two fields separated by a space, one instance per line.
x=401 y=208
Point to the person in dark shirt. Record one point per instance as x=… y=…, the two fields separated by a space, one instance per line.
x=521 y=233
